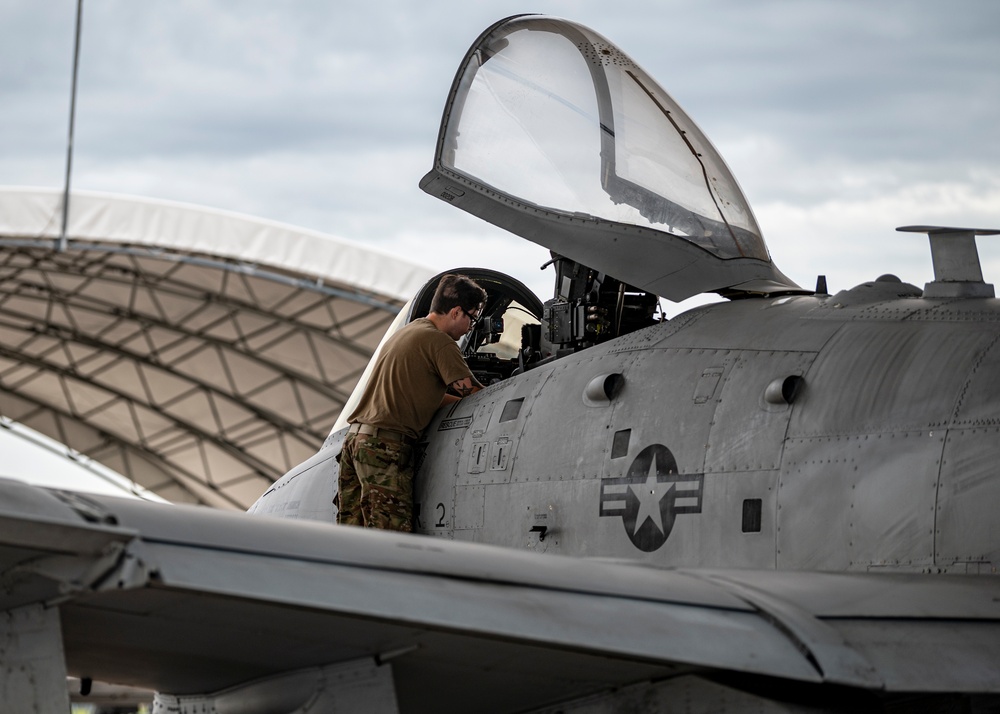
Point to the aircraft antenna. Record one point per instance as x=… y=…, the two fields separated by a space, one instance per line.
x=63 y=242
x=957 y=271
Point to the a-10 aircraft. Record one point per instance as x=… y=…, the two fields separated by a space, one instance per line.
x=782 y=502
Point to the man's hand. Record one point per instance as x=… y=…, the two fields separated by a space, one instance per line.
x=461 y=388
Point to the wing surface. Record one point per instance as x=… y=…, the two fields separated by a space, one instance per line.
x=185 y=600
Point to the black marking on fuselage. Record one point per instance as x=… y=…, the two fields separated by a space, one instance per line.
x=653 y=490
x=459 y=423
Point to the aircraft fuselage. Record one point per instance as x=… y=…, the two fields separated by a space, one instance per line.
x=846 y=432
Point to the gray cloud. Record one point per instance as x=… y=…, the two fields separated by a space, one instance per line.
x=841 y=118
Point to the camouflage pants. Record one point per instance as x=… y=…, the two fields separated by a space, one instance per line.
x=376 y=484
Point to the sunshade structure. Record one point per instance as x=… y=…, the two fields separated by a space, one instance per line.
x=199 y=353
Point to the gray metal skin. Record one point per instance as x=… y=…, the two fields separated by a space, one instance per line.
x=885 y=459
x=236 y=613
x=863 y=425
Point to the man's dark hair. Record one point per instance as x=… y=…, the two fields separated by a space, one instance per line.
x=457 y=291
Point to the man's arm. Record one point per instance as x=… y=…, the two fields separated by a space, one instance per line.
x=461 y=388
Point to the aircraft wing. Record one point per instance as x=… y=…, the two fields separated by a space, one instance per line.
x=184 y=600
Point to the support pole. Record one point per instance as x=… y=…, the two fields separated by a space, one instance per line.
x=32 y=661
x=63 y=241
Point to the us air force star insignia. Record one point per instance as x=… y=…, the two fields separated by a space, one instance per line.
x=650 y=495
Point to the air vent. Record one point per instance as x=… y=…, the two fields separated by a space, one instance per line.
x=751 y=515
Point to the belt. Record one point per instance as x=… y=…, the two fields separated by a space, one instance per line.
x=380 y=433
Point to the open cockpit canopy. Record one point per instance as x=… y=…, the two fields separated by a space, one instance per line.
x=553 y=133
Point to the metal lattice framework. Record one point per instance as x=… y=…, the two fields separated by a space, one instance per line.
x=201 y=377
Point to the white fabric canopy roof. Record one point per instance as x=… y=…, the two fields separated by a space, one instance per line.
x=200 y=353
x=34 y=212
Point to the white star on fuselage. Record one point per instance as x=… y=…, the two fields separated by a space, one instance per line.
x=649 y=494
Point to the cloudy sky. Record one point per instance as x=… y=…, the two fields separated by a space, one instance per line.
x=842 y=119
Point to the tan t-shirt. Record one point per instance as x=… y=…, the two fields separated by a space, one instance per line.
x=410 y=377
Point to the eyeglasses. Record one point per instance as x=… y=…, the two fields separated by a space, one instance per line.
x=473 y=319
